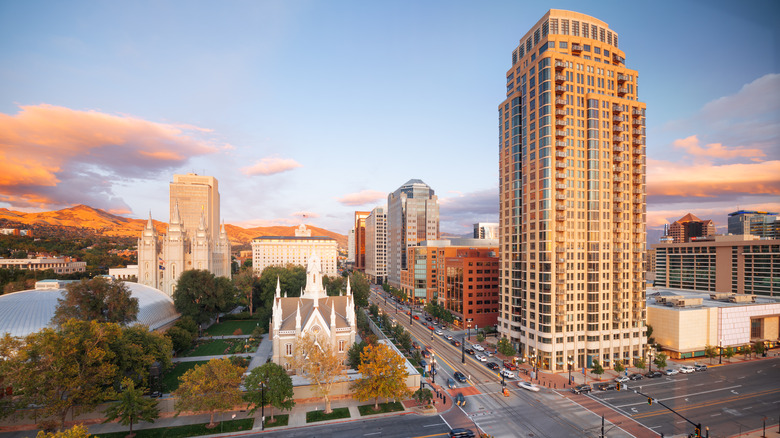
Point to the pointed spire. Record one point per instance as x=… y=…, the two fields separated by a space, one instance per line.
x=175 y=219
x=202 y=223
x=278 y=289
x=333 y=317
x=298 y=316
x=349 y=290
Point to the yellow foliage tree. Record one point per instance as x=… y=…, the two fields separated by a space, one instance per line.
x=318 y=361
x=77 y=431
x=384 y=375
x=211 y=387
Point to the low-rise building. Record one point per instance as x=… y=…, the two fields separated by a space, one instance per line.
x=470 y=287
x=60 y=265
x=129 y=272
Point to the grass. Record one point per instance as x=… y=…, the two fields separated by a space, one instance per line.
x=315 y=416
x=227 y=328
x=383 y=408
x=171 y=378
x=279 y=420
x=212 y=348
x=186 y=430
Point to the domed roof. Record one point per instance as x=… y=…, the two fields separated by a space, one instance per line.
x=25 y=312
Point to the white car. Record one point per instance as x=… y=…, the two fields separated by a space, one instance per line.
x=439 y=332
x=527 y=385
x=622 y=379
x=478 y=347
x=671 y=372
x=685 y=369
x=449 y=337
x=480 y=358
x=508 y=374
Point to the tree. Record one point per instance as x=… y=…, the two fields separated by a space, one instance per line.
x=211 y=387
x=137 y=349
x=480 y=337
x=728 y=353
x=660 y=361
x=317 y=361
x=77 y=431
x=353 y=354
x=640 y=363
x=505 y=347
x=201 y=295
x=334 y=286
x=99 y=299
x=384 y=375
x=292 y=279
x=181 y=340
x=710 y=352
x=597 y=368
x=360 y=289
x=72 y=367
x=244 y=282
x=277 y=388
x=132 y=407
x=405 y=339
x=423 y=396
x=619 y=366
x=758 y=347
x=650 y=339
x=373 y=309
x=747 y=348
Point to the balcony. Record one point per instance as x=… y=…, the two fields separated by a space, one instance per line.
x=560 y=250
x=561 y=133
x=560 y=175
x=622 y=90
x=560 y=217
x=560 y=102
x=618 y=198
x=637 y=200
x=618 y=179
x=618 y=168
x=560 y=144
x=618 y=149
x=638 y=191
x=618 y=128
x=639 y=161
x=560 y=154
x=617 y=108
x=639 y=141
x=618 y=59
x=617 y=157
x=560 y=79
x=638 y=112
x=560 y=207
x=638 y=172
x=638 y=121
x=560 y=197
x=560 y=65
x=560 y=230
x=638 y=151
x=618 y=119
x=617 y=138
x=560 y=88
x=560 y=165
x=560 y=280
x=622 y=77
x=617 y=210
x=560 y=186
x=576 y=48
x=639 y=210
x=560 y=260
x=618 y=188
x=560 y=112
x=638 y=132
x=560 y=122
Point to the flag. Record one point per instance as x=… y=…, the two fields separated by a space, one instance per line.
x=162 y=263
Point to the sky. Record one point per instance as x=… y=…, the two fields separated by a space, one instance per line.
x=321 y=108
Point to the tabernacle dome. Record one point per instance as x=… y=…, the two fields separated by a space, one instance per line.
x=29 y=311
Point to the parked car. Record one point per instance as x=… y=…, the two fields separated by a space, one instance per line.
x=605 y=386
x=425 y=353
x=527 y=385
x=671 y=372
x=635 y=376
x=461 y=433
x=460 y=377
x=416 y=317
x=430 y=327
x=508 y=374
x=700 y=367
x=450 y=383
x=460 y=400
x=415 y=346
x=480 y=358
x=510 y=366
x=654 y=374
x=439 y=332
x=478 y=347
x=493 y=366
x=428 y=318
x=582 y=389
x=622 y=379
x=687 y=369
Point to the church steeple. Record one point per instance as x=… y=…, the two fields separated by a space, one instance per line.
x=314 y=289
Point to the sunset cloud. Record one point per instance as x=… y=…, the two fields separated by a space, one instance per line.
x=715 y=150
x=363 y=197
x=270 y=166
x=674 y=179
x=52 y=156
x=458 y=213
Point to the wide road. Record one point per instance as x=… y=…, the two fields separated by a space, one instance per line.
x=729 y=400
x=388 y=427
x=522 y=414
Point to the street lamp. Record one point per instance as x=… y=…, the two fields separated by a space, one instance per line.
x=262 y=408
x=650 y=357
x=720 y=352
x=571 y=362
x=433 y=367
x=463 y=350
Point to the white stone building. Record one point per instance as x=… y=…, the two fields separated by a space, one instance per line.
x=376 y=245
x=294 y=250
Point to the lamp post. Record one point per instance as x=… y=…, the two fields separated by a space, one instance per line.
x=262 y=408
x=571 y=362
x=650 y=359
x=433 y=367
x=463 y=350
x=720 y=352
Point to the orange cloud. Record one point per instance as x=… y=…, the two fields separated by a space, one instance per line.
x=715 y=150
x=270 y=166
x=672 y=179
x=362 y=197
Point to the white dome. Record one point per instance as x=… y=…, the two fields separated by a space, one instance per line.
x=25 y=312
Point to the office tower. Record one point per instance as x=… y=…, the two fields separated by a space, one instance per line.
x=376 y=245
x=690 y=227
x=360 y=240
x=572 y=197
x=351 y=247
x=486 y=230
x=412 y=217
x=758 y=223
x=196 y=195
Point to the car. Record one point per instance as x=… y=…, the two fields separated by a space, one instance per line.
x=687 y=369
x=527 y=385
x=460 y=400
x=415 y=346
x=430 y=327
x=460 y=377
x=604 y=386
x=449 y=337
x=581 y=389
x=416 y=317
x=493 y=366
x=461 y=433
x=480 y=358
x=508 y=374
x=510 y=366
x=451 y=383
x=478 y=347
x=671 y=372
x=700 y=367
x=622 y=379
x=428 y=318
x=455 y=343
x=439 y=332
x=425 y=353
x=653 y=374
x=470 y=351
x=488 y=353
x=635 y=376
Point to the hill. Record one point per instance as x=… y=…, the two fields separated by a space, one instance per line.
x=82 y=219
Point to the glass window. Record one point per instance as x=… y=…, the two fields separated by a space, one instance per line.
x=597 y=50
x=586 y=47
x=563 y=45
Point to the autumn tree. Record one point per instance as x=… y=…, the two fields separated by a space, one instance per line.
x=269 y=384
x=69 y=368
x=244 y=282
x=201 y=295
x=384 y=375
x=132 y=407
x=77 y=431
x=320 y=363
x=211 y=387
x=99 y=299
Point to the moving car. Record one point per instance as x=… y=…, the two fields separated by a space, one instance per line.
x=480 y=358
x=461 y=433
x=510 y=366
x=527 y=385
x=439 y=332
x=460 y=377
x=622 y=379
x=493 y=366
x=508 y=374
x=470 y=351
x=671 y=372
x=582 y=389
x=449 y=337
x=416 y=317
x=478 y=347
x=450 y=383
x=430 y=327
x=455 y=343
x=460 y=400
x=635 y=376
x=686 y=369
x=428 y=318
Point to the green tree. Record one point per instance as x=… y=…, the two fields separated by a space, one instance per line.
x=334 y=286
x=480 y=337
x=244 y=282
x=69 y=368
x=660 y=361
x=99 y=299
x=650 y=339
x=137 y=349
x=201 y=295
x=373 y=309
x=405 y=339
x=423 y=396
x=619 y=366
x=710 y=351
x=360 y=289
x=181 y=340
x=747 y=349
x=132 y=407
x=758 y=347
x=292 y=279
x=505 y=347
x=597 y=368
x=353 y=354
x=728 y=353
x=384 y=375
x=211 y=387
x=277 y=388
x=640 y=363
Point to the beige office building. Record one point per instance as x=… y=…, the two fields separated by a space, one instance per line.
x=294 y=250
x=572 y=197
x=376 y=245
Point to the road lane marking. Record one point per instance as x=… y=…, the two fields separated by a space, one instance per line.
x=682 y=396
x=710 y=403
x=433 y=425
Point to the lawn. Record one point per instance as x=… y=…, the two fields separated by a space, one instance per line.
x=314 y=416
x=171 y=378
x=226 y=328
x=212 y=348
x=383 y=408
x=279 y=420
x=186 y=430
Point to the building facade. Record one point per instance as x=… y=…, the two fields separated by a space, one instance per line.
x=470 y=284
x=486 y=230
x=757 y=223
x=740 y=264
x=351 y=247
x=376 y=245
x=572 y=197
x=690 y=227
x=194 y=239
x=360 y=239
x=60 y=265
x=294 y=250
x=412 y=217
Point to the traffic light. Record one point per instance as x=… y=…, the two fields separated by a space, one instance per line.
x=618 y=386
x=697 y=431
x=649 y=400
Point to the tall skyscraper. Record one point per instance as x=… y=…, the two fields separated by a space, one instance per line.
x=758 y=223
x=376 y=245
x=690 y=227
x=360 y=240
x=412 y=216
x=572 y=197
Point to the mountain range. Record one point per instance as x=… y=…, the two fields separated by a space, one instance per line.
x=100 y=222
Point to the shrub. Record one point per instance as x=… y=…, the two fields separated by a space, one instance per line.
x=238 y=332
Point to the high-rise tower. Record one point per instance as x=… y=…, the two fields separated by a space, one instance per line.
x=572 y=197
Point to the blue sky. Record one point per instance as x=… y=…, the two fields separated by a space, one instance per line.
x=323 y=107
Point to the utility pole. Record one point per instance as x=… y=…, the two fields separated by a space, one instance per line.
x=602 y=426
x=463 y=350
